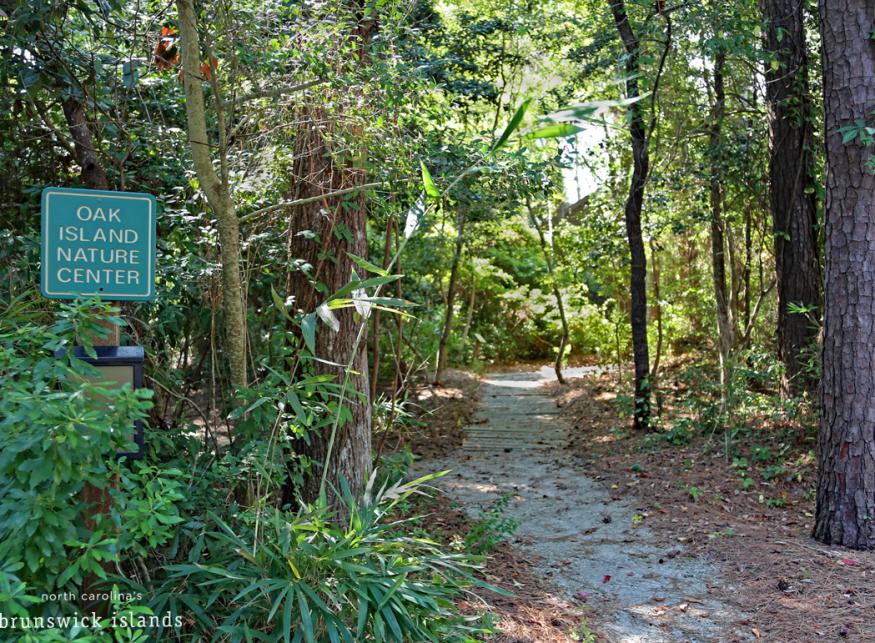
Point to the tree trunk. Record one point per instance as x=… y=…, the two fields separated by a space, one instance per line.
x=547 y=250
x=92 y=172
x=451 y=297
x=342 y=350
x=657 y=315
x=845 y=513
x=791 y=195
x=340 y=226
x=218 y=194
x=632 y=215
x=469 y=313
x=722 y=297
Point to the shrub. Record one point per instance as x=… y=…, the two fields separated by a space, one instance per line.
x=304 y=577
x=491 y=527
x=58 y=433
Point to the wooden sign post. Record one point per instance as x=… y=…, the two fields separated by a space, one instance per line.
x=101 y=243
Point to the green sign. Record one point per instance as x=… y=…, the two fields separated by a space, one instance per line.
x=96 y=242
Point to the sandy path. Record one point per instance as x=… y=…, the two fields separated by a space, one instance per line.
x=642 y=587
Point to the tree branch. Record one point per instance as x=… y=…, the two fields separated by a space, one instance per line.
x=312 y=199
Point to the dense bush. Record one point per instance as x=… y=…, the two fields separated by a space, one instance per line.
x=192 y=541
x=307 y=577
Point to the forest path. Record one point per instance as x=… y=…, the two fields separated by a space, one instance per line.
x=641 y=587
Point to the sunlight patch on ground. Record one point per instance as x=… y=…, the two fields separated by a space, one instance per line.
x=443 y=392
x=528 y=384
x=480 y=487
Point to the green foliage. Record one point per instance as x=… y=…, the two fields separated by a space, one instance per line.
x=472 y=117
x=305 y=577
x=57 y=435
x=681 y=432
x=59 y=432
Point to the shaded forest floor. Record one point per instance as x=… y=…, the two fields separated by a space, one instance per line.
x=750 y=512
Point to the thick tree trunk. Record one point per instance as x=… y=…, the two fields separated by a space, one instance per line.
x=218 y=194
x=319 y=264
x=791 y=194
x=339 y=224
x=845 y=513
x=632 y=215
x=451 y=297
x=722 y=297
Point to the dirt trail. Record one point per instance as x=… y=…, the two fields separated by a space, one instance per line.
x=641 y=587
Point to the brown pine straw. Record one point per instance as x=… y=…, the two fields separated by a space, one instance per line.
x=789 y=587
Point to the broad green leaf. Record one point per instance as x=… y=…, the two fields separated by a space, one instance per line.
x=430 y=188
x=849 y=133
x=308 y=331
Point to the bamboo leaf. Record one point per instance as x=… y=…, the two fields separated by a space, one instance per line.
x=367 y=265
x=557 y=130
x=306 y=618
x=512 y=126
x=427 y=182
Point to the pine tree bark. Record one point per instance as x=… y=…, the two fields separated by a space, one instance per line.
x=797 y=258
x=632 y=215
x=845 y=512
x=339 y=227
x=218 y=194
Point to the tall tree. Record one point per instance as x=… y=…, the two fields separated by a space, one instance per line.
x=845 y=513
x=791 y=195
x=640 y=139
x=722 y=298
x=324 y=234
x=216 y=186
x=458 y=247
